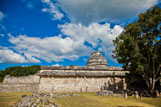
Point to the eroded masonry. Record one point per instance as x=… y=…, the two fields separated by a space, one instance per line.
x=90 y=78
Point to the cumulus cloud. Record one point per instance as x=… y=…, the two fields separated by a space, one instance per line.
x=107 y=44
x=58 y=48
x=89 y=11
x=51 y=8
x=50 y=49
x=9 y=56
x=93 y=34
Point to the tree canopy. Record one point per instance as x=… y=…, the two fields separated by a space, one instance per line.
x=19 y=71
x=138 y=47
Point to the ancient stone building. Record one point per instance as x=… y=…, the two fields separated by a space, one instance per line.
x=97 y=60
x=91 y=78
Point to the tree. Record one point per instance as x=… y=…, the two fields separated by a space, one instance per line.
x=2 y=75
x=19 y=71
x=138 y=47
x=22 y=71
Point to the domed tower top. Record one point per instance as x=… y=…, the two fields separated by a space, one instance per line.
x=97 y=59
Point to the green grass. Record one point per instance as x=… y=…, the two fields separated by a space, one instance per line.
x=90 y=100
x=10 y=99
x=149 y=100
x=86 y=100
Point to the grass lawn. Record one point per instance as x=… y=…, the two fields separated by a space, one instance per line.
x=90 y=100
x=10 y=99
x=152 y=101
x=87 y=100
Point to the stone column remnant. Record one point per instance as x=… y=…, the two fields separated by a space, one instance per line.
x=86 y=89
x=157 y=93
x=136 y=94
x=124 y=93
x=141 y=94
x=126 y=96
x=124 y=84
x=80 y=89
x=101 y=88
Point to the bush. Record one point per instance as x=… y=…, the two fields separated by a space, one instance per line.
x=2 y=75
x=19 y=71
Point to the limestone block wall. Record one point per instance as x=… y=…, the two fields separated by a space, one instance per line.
x=19 y=87
x=20 y=84
x=31 y=79
x=77 y=84
x=64 y=83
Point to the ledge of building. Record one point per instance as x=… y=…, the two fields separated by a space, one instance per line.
x=74 y=67
x=81 y=73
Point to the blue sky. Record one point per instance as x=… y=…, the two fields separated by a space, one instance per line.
x=63 y=32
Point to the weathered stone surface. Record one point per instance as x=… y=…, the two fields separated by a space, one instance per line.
x=124 y=94
x=77 y=84
x=79 y=73
x=109 y=89
x=20 y=84
x=97 y=59
x=19 y=87
x=36 y=100
x=104 y=93
x=136 y=94
x=31 y=79
x=42 y=99
x=157 y=93
x=74 y=67
x=96 y=62
x=73 y=78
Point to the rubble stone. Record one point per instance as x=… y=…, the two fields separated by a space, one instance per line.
x=42 y=99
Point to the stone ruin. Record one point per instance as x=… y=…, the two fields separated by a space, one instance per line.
x=97 y=60
x=108 y=91
x=89 y=78
x=42 y=99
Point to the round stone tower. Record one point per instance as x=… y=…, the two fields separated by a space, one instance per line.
x=97 y=60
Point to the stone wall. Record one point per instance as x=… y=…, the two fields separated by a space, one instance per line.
x=19 y=87
x=65 y=81
x=75 y=67
x=20 y=84
x=84 y=73
x=32 y=79
x=78 y=84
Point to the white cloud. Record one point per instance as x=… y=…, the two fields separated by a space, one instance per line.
x=56 y=65
x=89 y=11
x=2 y=35
x=58 y=48
x=9 y=56
x=52 y=9
x=93 y=34
x=84 y=59
x=30 y=5
x=50 y=48
x=1 y=16
x=107 y=44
